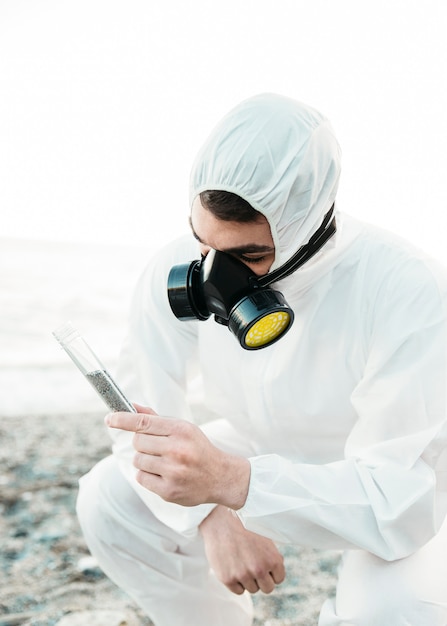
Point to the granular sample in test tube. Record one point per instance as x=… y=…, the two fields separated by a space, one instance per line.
x=104 y=385
x=91 y=367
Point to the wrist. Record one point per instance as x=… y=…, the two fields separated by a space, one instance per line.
x=233 y=488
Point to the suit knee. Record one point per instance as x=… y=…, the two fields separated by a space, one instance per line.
x=94 y=502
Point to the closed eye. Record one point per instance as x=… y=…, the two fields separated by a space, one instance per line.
x=247 y=259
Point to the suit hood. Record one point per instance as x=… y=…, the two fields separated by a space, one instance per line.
x=282 y=157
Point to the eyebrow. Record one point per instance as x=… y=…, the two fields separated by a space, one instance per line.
x=249 y=248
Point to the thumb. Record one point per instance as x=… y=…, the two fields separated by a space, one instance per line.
x=144 y=409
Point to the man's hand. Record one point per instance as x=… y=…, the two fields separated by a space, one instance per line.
x=179 y=463
x=242 y=560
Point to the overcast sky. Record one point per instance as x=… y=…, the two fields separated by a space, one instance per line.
x=104 y=103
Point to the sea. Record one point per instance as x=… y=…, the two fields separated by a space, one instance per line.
x=44 y=284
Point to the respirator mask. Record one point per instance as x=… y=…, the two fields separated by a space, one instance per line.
x=222 y=285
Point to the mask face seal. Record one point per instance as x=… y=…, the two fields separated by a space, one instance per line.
x=218 y=283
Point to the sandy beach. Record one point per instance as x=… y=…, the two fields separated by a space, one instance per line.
x=47 y=576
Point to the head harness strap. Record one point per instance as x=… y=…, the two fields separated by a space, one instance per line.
x=305 y=252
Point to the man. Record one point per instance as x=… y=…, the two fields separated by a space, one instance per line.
x=325 y=412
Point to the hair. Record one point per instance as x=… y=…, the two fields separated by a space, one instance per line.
x=228 y=206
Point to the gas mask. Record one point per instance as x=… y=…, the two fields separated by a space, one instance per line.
x=222 y=285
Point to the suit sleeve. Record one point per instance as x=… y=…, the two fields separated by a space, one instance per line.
x=388 y=494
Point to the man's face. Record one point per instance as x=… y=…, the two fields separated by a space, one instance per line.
x=249 y=242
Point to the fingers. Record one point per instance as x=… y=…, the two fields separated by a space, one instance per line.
x=148 y=463
x=264 y=583
x=144 y=409
x=146 y=423
x=278 y=573
x=237 y=588
x=151 y=482
x=155 y=445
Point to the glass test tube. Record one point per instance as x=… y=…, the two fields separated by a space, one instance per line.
x=94 y=371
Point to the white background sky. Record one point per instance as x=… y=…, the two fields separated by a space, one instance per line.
x=104 y=103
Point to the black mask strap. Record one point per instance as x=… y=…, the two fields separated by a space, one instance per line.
x=306 y=252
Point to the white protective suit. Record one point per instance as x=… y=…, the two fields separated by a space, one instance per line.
x=344 y=418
